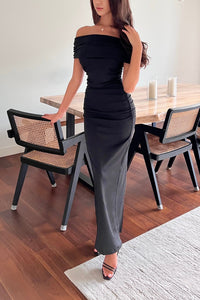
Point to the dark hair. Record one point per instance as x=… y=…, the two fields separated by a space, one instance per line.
x=122 y=15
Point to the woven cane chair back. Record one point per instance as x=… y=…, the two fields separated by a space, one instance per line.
x=180 y=123
x=34 y=132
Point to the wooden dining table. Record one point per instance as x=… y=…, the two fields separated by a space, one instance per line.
x=147 y=110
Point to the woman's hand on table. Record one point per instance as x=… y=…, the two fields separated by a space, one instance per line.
x=52 y=117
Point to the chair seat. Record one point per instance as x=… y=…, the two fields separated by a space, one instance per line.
x=59 y=161
x=158 y=148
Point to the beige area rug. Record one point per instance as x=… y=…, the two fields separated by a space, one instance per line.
x=162 y=264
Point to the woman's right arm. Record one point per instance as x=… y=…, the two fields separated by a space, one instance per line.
x=75 y=82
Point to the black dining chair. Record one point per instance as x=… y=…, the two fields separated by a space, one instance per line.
x=195 y=140
x=172 y=139
x=45 y=148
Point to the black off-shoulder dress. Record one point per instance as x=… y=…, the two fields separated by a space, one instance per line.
x=109 y=118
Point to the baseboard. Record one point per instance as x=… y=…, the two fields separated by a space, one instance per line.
x=10 y=150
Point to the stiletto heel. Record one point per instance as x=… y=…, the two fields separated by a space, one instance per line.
x=96 y=252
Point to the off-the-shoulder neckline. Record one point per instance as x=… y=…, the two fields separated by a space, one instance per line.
x=105 y=35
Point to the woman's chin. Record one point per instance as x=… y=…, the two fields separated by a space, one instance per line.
x=100 y=14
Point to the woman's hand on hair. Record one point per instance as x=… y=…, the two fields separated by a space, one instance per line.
x=133 y=36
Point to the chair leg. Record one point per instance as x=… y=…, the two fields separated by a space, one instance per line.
x=153 y=180
x=72 y=187
x=171 y=161
x=89 y=166
x=20 y=181
x=151 y=172
x=133 y=145
x=189 y=163
x=158 y=164
x=195 y=149
x=51 y=178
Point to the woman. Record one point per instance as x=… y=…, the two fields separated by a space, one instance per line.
x=102 y=51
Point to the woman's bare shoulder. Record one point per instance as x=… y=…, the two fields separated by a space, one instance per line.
x=84 y=30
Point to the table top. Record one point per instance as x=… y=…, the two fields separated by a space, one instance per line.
x=147 y=111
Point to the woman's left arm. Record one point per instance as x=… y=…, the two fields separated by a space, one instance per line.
x=132 y=71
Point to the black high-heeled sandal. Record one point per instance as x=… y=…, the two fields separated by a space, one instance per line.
x=110 y=268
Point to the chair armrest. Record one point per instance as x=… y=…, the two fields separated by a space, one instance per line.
x=74 y=140
x=151 y=129
x=10 y=133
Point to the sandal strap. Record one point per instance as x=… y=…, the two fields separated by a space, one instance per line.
x=108 y=267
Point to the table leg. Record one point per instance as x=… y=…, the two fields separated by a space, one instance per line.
x=70 y=125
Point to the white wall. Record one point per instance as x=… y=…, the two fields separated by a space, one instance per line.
x=37 y=42
x=172 y=30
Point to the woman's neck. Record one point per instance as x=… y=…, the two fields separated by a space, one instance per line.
x=106 y=21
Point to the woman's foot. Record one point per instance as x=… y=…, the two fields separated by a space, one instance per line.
x=109 y=266
x=96 y=252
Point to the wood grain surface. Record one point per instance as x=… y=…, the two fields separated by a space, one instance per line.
x=147 y=111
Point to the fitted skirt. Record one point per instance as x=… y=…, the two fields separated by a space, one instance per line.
x=108 y=135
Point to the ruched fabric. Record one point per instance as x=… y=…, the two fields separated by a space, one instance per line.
x=109 y=118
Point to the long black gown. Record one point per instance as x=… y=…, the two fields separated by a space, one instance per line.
x=109 y=118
